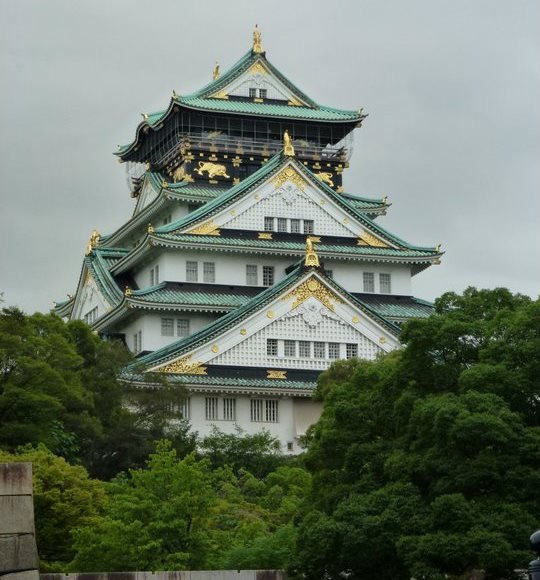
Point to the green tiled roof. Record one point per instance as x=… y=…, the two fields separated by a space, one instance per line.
x=165 y=293
x=391 y=307
x=202 y=100
x=98 y=262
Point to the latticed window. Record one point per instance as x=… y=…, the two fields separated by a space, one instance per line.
x=271 y=346
x=352 y=350
x=333 y=350
x=229 y=409
x=183 y=408
x=137 y=341
x=319 y=350
x=252 y=92
x=167 y=327
x=182 y=327
x=269 y=224
x=304 y=348
x=91 y=316
x=271 y=410
x=192 y=271
x=290 y=348
x=209 y=272
x=268 y=275
x=329 y=273
x=263 y=93
x=308 y=226
x=369 y=282
x=385 y=283
x=211 y=408
x=282 y=224
x=295 y=226
x=256 y=410
x=252 y=274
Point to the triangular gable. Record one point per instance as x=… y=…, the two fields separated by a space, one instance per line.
x=307 y=307
x=260 y=76
x=89 y=298
x=283 y=189
x=147 y=195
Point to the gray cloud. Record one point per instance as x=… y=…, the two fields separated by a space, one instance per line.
x=452 y=89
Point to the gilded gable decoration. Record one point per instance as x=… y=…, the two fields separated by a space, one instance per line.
x=289 y=174
x=367 y=239
x=258 y=69
x=207 y=229
x=312 y=287
x=183 y=366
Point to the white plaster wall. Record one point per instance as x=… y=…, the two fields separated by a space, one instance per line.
x=284 y=429
x=350 y=275
x=90 y=297
x=150 y=325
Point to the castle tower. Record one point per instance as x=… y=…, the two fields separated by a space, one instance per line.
x=246 y=269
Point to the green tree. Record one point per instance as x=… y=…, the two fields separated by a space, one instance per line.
x=426 y=462
x=64 y=498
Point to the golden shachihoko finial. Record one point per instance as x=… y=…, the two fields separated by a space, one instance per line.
x=311 y=256
x=215 y=74
x=288 y=148
x=94 y=239
x=257 y=41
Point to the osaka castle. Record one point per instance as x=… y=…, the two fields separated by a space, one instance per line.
x=247 y=266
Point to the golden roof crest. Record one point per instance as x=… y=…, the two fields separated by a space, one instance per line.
x=257 y=41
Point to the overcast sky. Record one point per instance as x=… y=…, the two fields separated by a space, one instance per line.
x=452 y=89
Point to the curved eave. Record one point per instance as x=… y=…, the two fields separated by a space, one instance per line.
x=65 y=308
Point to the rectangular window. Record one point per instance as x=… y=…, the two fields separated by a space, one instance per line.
x=263 y=93
x=151 y=276
x=252 y=93
x=91 y=316
x=271 y=410
x=252 y=274
x=385 y=284
x=211 y=408
x=268 y=275
x=229 y=409
x=352 y=350
x=308 y=226
x=137 y=341
x=329 y=273
x=271 y=346
x=295 y=226
x=304 y=348
x=256 y=410
x=369 y=282
x=182 y=327
x=290 y=348
x=269 y=224
x=154 y=275
x=333 y=350
x=282 y=224
x=319 y=350
x=209 y=272
x=192 y=271
x=183 y=410
x=167 y=327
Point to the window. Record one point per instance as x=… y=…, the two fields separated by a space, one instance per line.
x=91 y=316
x=256 y=410
x=183 y=409
x=137 y=341
x=329 y=273
x=154 y=275
x=319 y=350
x=304 y=348
x=229 y=409
x=211 y=408
x=352 y=350
x=308 y=226
x=271 y=410
x=269 y=224
x=209 y=272
x=179 y=407
x=295 y=226
x=271 y=347
x=167 y=327
x=182 y=327
x=252 y=274
x=268 y=275
x=290 y=446
x=192 y=271
x=369 y=282
x=282 y=224
x=385 y=283
x=333 y=350
x=290 y=348
x=252 y=93
x=263 y=93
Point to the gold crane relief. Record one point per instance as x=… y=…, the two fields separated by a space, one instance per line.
x=325 y=177
x=213 y=169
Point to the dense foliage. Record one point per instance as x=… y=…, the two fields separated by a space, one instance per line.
x=426 y=463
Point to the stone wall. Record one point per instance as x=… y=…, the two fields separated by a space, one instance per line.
x=18 y=551
x=187 y=575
